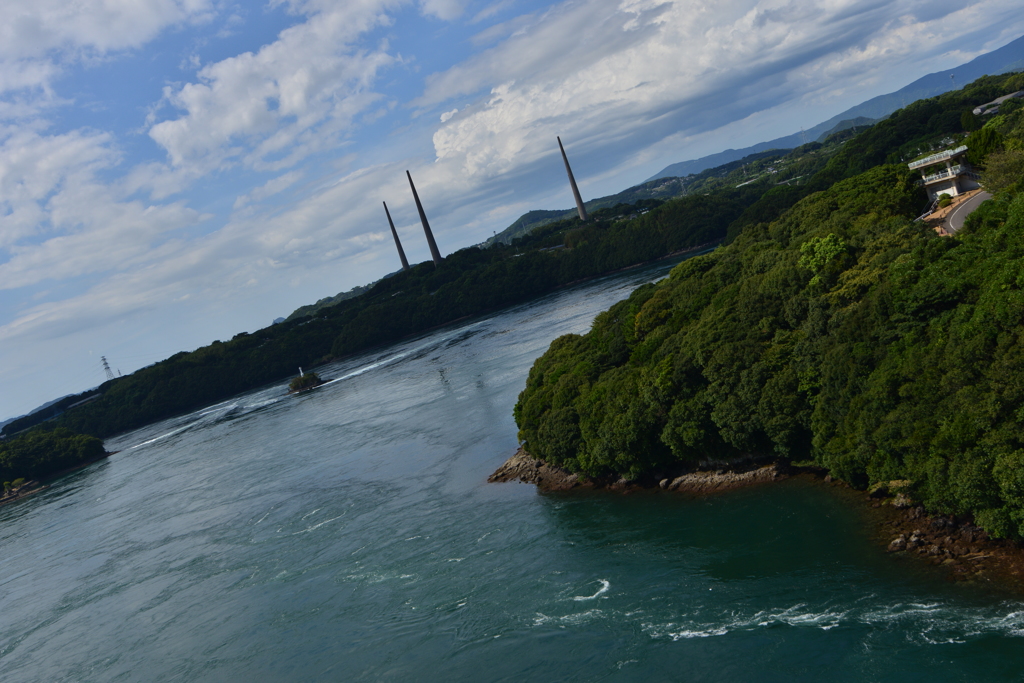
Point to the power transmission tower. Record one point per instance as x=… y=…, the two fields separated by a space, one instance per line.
x=106 y=367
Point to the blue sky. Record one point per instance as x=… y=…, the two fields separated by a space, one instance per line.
x=177 y=171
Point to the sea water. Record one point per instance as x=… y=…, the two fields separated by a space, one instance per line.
x=349 y=534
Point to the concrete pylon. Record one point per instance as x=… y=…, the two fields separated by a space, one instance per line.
x=572 y=181
x=434 y=253
x=398 y=243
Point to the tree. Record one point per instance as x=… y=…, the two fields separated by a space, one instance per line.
x=1004 y=171
x=969 y=121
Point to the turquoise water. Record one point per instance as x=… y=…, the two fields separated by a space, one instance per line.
x=349 y=534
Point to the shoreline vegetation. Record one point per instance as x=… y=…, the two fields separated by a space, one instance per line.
x=841 y=335
x=304 y=382
x=44 y=455
x=956 y=546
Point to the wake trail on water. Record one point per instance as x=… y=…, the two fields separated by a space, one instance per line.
x=234 y=408
x=211 y=416
x=404 y=354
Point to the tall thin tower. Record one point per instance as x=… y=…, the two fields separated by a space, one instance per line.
x=398 y=243
x=106 y=367
x=572 y=181
x=434 y=253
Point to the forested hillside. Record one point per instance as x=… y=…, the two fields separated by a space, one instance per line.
x=473 y=281
x=41 y=453
x=841 y=331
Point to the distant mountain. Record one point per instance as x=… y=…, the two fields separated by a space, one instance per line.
x=659 y=188
x=34 y=410
x=1010 y=57
x=663 y=188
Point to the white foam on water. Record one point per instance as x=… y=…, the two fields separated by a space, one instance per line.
x=261 y=404
x=164 y=436
x=223 y=408
x=924 y=623
x=567 y=620
x=605 y=585
x=399 y=356
x=379 y=577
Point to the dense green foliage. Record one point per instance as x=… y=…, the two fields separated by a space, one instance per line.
x=41 y=453
x=842 y=332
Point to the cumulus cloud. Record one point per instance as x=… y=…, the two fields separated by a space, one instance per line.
x=639 y=71
x=58 y=220
x=269 y=109
x=37 y=37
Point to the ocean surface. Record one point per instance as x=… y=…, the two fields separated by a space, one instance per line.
x=349 y=534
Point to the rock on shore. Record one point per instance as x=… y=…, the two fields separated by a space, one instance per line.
x=723 y=480
x=525 y=468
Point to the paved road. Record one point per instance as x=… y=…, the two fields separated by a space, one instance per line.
x=955 y=220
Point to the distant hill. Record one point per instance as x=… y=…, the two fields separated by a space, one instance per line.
x=659 y=188
x=1008 y=58
x=33 y=411
x=48 y=410
x=310 y=309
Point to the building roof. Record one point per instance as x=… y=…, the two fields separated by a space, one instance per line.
x=938 y=158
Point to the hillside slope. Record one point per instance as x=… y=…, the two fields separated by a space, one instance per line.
x=842 y=332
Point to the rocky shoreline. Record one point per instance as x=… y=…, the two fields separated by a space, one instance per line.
x=23 y=491
x=32 y=486
x=957 y=546
x=525 y=468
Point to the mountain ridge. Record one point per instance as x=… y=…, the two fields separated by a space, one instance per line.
x=1009 y=57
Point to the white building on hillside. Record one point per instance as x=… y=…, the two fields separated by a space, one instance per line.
x=946 y=173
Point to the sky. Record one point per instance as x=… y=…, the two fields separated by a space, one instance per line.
x=173 y=172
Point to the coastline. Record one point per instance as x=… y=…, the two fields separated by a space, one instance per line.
x=33 y=486
x=955 y=546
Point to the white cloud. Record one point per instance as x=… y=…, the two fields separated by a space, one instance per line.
x=636 y=72
x=293 y=97
x=446 y=10
x=445 y=117
x=34 y=166
x=39 y=37
x=59 y=220
x=31 y=28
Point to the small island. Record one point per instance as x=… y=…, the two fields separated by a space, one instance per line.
x=304 y=382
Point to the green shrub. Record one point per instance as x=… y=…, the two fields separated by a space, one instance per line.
x=306 y=380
